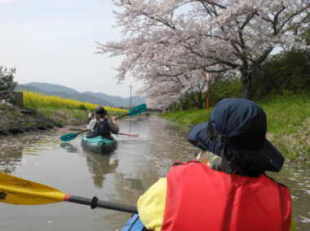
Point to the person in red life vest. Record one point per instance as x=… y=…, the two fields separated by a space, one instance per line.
x=231 y=194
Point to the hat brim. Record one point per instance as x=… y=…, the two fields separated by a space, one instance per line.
x=272 y=156
x=199 y=137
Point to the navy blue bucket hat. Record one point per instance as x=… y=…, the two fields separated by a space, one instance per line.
x=237 y=124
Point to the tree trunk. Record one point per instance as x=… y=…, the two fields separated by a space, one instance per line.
x=200 y=100
x=207 y=101
x=246 y=79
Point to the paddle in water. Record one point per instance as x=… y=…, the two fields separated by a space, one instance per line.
x=71 y=136
x=18 y=191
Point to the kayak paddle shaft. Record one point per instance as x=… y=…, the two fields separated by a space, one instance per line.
x=94 y=203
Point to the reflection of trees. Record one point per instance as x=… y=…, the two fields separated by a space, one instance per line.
x=99 y=165
x=10 y=158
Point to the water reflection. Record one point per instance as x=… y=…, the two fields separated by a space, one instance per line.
x=120 y=177
x=10 y=158
x=297 y=178
x=99 y=166
x=12 y=149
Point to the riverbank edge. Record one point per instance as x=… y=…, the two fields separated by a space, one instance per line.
x=16 y=120
x=289 y=120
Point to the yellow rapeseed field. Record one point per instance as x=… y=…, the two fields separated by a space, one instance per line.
x=36 y=100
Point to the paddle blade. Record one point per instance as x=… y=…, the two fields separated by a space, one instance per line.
x=68 y=137
x=137 y=110
x=14 y=190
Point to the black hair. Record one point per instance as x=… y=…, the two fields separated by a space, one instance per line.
x=101 y=111
x=241 y=162
x=237 y=157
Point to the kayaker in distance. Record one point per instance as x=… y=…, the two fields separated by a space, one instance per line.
x=231 y=194
x=103 y=125
x=91 y=121
x=91 y=115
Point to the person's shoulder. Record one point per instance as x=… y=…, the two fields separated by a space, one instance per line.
x=279 y=184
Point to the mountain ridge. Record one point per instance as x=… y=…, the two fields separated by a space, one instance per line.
x=86 y=96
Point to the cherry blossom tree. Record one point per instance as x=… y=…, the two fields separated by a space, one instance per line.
x=7 y=84
x=6 y=79
x=171 y=44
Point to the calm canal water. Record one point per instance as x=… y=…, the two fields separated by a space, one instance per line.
x=120 y=177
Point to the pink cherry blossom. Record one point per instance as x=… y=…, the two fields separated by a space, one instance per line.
x=172 y=45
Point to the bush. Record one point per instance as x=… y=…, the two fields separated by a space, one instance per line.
x=224 y=88
x=284 y=73
x=82 y=107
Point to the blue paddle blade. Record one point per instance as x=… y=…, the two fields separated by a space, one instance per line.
x=137 y=110
x=68 y=137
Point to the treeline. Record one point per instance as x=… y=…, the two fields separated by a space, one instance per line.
x=285 y=73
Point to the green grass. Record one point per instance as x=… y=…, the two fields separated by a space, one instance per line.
x=288 y=122
x=188 y=118
x=286 y=114
x=65 y=116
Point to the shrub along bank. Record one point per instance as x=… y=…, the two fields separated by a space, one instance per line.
x=288 y=122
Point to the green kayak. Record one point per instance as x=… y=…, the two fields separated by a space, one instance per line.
x=99 y=144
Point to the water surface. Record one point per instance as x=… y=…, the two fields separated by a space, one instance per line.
x=120 y=177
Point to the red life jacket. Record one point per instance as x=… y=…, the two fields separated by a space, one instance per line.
x=200 y=198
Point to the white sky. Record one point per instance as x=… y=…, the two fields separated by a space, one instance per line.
x=54 y=41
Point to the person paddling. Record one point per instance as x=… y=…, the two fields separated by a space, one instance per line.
x=231 y=194
x=102 y=125
x=91 y=121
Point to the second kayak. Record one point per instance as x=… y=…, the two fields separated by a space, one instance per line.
x=99 y=144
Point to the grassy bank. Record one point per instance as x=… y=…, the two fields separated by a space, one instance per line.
x=288 y=123
x=64 y=116
x=63 y=111
x=18 y=120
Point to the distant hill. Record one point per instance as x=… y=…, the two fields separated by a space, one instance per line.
x=70 y=93
x=117 y=100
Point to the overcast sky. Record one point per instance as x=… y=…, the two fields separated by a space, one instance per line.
x=54 y=41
